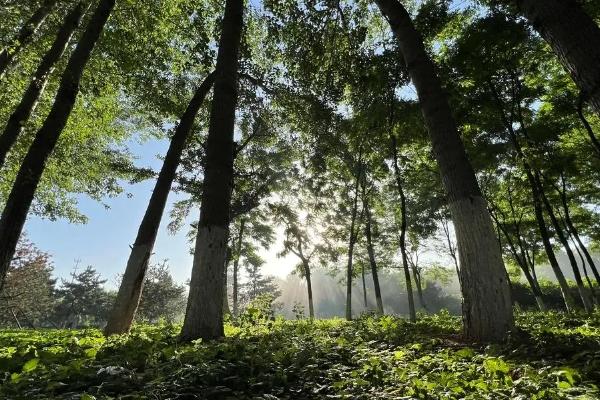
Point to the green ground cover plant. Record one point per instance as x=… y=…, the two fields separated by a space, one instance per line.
x=549 y=356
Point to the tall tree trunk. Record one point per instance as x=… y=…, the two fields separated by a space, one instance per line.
x=25 y=35
x=132 y=284
x=372 y=260
x=419 y=285
x=575 y=38
x=32 y=167
x=583 y=294
x=487 y=305
x=307 y=275
x=204 y=313
x=30 y=99
x=403 y=226
x=364 y=285
x=575 y=233
x=351 y=242
x=236 y=264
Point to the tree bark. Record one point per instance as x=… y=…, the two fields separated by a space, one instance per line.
x=575 y=38
x=583 y=294
x=403 y=225
x=487 y=305
x=30 y=98
x=372 y=260
x=236 y=263
x=25 y=35
x=132 y=284
x=204 y=314
x=32 y=167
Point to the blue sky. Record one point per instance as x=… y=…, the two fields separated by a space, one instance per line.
x=104 y=241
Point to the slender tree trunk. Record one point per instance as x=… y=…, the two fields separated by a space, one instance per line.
x=537 y=204
x=351 y=241
x=32 y=167
x=364 y=285
x=419 y=284
x=583 y=294
x=30 y=99
x=487 y=305
x=226 y=310
x=575 y=38
x=403 y=226
x=204 y=313
x=575 y=233
x=585 y=273
x=522 y=262
x=307 y=275
x=25 y=35
x=236 y=264
x=587 y=126
x=132 y=284
x=372 y=260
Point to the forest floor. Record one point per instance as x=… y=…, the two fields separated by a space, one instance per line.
x=550 y=356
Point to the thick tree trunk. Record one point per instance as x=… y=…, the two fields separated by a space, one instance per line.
x=575 y=38
x=372 y=260
x=204 y=314
x=487 y=305
x=403 y=226
x=25 y=35
x=32 y=167
x=583 y=294
x=311 y=307
x=236 y=264
x=132 y=284
x=351 y=242
x=30 y=99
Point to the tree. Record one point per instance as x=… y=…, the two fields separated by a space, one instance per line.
x=487 y=308
x=30 y=98
x=132 y=284
x=403 y=227
x=82 y=301
x=204 y=313
x=575 y=38
x=25 y=35
x=257 y=284
x=21 y=196
x=27 y=297
x=161 y=297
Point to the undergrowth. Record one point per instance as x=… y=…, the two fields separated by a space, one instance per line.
x=549 y=356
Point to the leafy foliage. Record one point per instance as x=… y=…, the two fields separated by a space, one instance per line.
x=550 y=356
